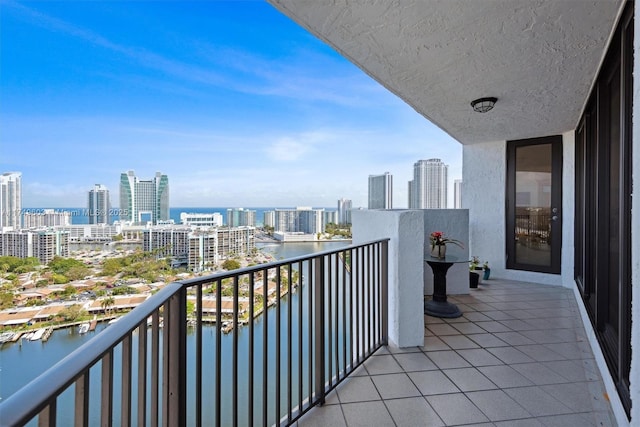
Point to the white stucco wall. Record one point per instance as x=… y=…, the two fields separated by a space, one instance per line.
x=405 y=229
x=483 y=194
x=409 y=275
x=484 y=168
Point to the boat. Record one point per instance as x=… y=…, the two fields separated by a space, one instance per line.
x=6 y=336
x=227 y=327
x=84 y=328
x=38 y=334
x=150 y=322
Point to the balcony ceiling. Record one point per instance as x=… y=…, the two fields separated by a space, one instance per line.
x=538 y=58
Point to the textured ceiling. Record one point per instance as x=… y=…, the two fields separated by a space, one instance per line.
x=538 y=58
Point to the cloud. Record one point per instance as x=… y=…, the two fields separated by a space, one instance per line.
x=288 y=150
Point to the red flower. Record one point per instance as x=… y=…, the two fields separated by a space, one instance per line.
x=437 y=239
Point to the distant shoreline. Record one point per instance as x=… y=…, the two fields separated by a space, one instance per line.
x=79 y=216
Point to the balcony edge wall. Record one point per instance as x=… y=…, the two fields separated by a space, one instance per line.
x=405 y=229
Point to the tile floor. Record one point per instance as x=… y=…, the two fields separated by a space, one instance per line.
x=517 y=357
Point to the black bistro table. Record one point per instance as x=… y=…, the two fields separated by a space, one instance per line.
x=439 y=306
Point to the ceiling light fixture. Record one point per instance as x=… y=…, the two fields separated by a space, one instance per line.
x=483 y=105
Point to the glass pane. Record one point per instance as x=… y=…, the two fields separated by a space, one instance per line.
x=533 y=205
x=614 y=202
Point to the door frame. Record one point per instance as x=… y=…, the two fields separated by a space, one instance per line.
x=556 y=202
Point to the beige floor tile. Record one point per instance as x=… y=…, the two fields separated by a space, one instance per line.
x=456 y=409
x=412 y=412
x=394 y=386
x=384 y=364
x=415 y=362
x=367 y=414
x=358 y=389
x=433 y=382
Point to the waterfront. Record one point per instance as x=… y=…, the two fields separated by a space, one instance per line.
x=21 y=364
x=80 y=215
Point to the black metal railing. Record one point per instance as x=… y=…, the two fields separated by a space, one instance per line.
x=258 y=346
x=533 y=227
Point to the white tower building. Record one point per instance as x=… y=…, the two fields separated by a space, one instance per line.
x=344 y=211
x=428 y=189
x=11 y=200
x=99 y=205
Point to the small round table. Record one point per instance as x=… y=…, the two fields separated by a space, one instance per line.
x=439 y=306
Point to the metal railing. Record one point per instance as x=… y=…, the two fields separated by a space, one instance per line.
x=282 y=335
x=533 y=228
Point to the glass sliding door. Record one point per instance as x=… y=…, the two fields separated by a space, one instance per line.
x=603 y=232
x=534 y=202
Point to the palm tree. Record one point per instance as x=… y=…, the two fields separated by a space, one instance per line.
x=107 y=302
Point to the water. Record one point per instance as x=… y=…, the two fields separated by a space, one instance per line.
x=21 y=364
x=80 y=216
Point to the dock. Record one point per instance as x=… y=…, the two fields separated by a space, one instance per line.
x=47 y=333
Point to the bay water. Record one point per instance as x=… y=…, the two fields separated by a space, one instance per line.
x=21 y=363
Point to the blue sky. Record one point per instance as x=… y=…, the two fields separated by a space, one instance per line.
x=235 y=102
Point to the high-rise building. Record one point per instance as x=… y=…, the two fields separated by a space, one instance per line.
x=99 y=205
x=457 y=194
x=344 y=211
x=241 y=217
x=39 y=218
x=199 y=248
x=428 y=189
x=143 y=201
x=299 y=220
x=11 y=200
x=410 y=193
x=43 y=244
x=381 y=191
x=269 y=218
x=329 y=217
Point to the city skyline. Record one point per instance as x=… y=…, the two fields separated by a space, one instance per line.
x=236 y=103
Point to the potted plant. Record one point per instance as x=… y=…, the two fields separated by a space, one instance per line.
x=487 y=270
x=439 y=244
x=474 y=276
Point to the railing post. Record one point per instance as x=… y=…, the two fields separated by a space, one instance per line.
x=318 y=309
x=384 y=272
x=175 y=357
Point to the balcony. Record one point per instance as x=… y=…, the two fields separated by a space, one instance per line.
x=517 y=356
